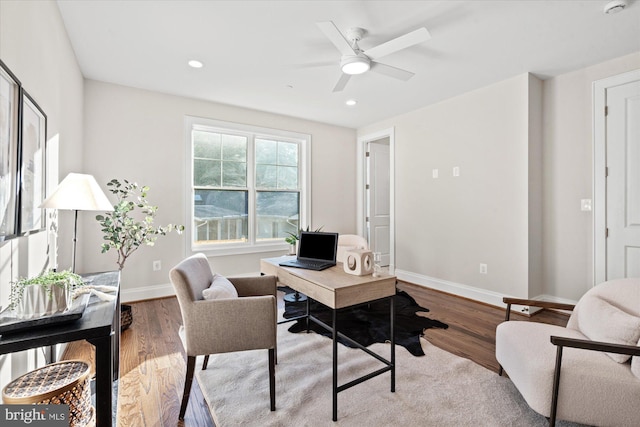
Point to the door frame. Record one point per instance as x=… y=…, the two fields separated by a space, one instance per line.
x=361 y=182
x=599 y=170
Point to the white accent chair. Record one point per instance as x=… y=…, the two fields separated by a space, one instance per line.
x=347 y=242
x=227 y=324
x=588 y=372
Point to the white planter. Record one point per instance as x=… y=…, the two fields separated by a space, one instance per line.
x=38 y=302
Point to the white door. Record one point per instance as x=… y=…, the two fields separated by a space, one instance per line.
x=623 y=180
x=378 y=206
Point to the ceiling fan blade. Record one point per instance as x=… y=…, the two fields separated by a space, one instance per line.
x=390 y=71
x=418 y=36
x=331 y=31
x=342 y=82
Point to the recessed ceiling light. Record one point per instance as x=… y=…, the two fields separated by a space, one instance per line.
x=195 y=64
x=351 y=102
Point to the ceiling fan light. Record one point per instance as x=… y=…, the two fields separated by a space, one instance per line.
x=355 y=65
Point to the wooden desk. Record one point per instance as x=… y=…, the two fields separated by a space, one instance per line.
x=337 y=290
x=100 y=325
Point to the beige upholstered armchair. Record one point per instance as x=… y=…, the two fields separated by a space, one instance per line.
x=246 y=322
x=588 y=372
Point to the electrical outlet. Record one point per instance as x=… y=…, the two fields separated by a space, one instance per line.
x=483 y=268
x=157 y=265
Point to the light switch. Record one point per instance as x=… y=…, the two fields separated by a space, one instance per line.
x=435 y=173
x=456 y=171
x=585 y=205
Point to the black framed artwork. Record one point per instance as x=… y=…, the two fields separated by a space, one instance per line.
x=32 y=147
x=9 y=140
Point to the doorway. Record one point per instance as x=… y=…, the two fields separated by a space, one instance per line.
x=375 y=184
x=617 y=177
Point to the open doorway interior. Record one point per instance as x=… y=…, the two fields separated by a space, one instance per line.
x=377 y=197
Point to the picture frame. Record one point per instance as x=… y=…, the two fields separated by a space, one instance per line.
x=10 y=88
x=32 y=148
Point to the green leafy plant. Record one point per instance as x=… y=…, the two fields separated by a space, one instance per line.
x=131 y=224
x=48 y=281
x=293 y=238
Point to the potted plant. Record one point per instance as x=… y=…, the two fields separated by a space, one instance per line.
x=292 y=239
x=129 y=226
x=44 y=295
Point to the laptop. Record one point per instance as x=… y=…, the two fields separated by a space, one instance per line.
x=316 y=251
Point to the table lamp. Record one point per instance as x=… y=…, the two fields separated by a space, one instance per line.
x=77 y=192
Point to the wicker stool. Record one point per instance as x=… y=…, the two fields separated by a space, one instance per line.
x=62 y=383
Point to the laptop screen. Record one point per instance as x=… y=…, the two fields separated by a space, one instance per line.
x=318 y=245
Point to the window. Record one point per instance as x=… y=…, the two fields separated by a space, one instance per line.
x=248 y=186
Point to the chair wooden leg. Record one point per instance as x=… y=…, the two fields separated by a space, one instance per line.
x=205 y=362
x=191 y=366
x=272 y=378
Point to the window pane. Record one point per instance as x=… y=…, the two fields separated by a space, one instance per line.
x=266 y=176
x=277 y=214
x=206 y=144
x=234 y=148
x=220 y=216
x=206 y=172
x=287 y=178
x=266 y=151
x=234 y=174
x=287 y=153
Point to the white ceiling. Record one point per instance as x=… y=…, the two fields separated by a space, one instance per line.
x=271 y=56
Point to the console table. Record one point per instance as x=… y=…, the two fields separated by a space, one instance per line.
x=100 y=325
x=337 y=289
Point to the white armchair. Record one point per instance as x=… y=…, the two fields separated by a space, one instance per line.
x=588 y=372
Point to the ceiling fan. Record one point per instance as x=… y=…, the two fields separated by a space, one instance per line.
x=357 y=61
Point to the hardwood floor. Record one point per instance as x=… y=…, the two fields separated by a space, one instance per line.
x=152 y=361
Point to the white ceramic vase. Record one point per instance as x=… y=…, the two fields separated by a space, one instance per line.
x=38 y=302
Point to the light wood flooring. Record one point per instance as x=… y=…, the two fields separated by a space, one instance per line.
x=152 y=361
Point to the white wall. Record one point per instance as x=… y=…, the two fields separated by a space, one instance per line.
x=34 y=45
x=139 y=135
x=446 y=227
x=568 y=176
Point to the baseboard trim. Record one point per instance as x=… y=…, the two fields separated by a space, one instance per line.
x=147 y=292
x=476 y=294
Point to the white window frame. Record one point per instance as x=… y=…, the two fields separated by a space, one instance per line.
x=252 y=132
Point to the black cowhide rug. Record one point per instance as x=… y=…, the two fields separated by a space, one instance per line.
x=368 y=324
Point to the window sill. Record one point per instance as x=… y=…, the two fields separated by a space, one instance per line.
x=226 y=250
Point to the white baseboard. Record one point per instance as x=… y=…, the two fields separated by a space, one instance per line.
x=147 y=292
x=476 y=294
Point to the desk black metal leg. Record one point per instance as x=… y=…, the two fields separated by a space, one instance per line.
x=335 y=365
x=393 y=344
x=104 y=380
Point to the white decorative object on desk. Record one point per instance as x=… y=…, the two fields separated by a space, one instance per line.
x=358 y=262
x=377 y=268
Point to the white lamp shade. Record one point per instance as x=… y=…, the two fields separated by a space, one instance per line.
x=78 y=192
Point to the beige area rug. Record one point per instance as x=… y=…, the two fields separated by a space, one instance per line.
x=438 y=389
